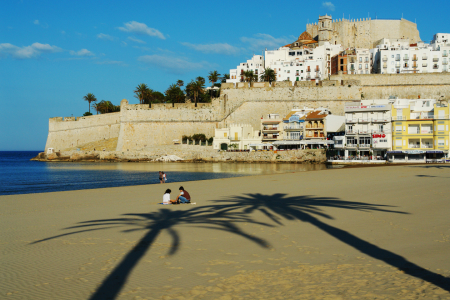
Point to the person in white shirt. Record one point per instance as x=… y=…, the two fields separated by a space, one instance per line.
x=166 y=198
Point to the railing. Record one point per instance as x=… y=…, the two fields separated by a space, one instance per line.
x=435 y=67
x=364 y=131
x=445 y=62
x=293 y=127
x=426 y=132
x=380 y=120
x=427 y=146
x=351 y=132
x=397 y=58
x=424 y=65
x=444 y=54
x=364 y=145
x=270 y=137
x=414 y=66
x=364 y=120
x=414 y=58
x=310 y=127
x=270 y=128
x=385 y=58
x=413 y=146
x=424 y=57
x=442 y=117
x=351 y=121
x=406 y=58
x=435 y=59
x=384 y=66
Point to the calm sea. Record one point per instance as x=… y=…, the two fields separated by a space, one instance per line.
x=19 y=175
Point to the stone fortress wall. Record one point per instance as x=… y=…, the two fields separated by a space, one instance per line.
x=364 y=33
x=140 y=127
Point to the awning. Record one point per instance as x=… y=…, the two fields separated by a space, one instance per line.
x=316 y=142
x=287 y=143
x=257 y=145
x=435 y=151
x=395 y=152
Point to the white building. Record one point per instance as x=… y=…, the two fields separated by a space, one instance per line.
x=368 y=131
x=359 y=61
x=301 y=64
x=256 y=64
x=398 y=56
x=236 y=136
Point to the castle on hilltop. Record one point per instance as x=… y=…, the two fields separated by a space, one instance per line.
x=361 y=33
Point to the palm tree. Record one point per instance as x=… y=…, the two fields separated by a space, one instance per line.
x=250 y=76
x=213 y=77
x=196 y=88
x=201 y=79
x=96 y=106
x=268 y=75
x=224 y=78
x=174 y=94
x=180 y=82
x=90 y=98
x=141 y=91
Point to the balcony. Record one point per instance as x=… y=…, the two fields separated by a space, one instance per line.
x=397 y=58
x=444 y=54
x=351 y=132
x=292 y=127
x=384 y=66
x=425 y=65
x=270 y=128
x=364 y=120
x=435 y=67
x=364 y=131
x=381 y=120
x=405 y=58
x=445 y=62
x=413 y=146
x=312 y=128
x=351 y=146
x=427 y=146
x=414 y=58
x=270 y=137
x=424 y=57
x=414 y=66
x=435 y=59
x=351 y=121
x=385 y=58
x=441 y=117
x=364 y=145
x=398 y=118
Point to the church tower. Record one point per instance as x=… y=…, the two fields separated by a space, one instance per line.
x=325 y=29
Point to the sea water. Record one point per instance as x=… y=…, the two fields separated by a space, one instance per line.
x=19 y=175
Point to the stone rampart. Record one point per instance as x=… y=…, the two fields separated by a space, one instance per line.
x=396 y=79
x=70 y=133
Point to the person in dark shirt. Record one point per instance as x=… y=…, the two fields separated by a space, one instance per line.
x=184 y=196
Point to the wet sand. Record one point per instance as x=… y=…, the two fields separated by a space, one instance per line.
x=351 y=233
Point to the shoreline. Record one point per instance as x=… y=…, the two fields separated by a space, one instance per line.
x=354 y=232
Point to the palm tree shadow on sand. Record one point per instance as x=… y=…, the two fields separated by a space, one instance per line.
x=153 y=224
x=279 y=207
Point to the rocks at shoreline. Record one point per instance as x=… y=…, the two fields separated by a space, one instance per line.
x=182 y=154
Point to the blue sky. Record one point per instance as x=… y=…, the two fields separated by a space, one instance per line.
x=52 y=53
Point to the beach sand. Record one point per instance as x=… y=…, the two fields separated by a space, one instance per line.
x=358 y=233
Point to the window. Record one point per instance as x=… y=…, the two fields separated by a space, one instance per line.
x=224 y=134
x=299 y=53
x=398 y=143
x=360 y=59
x=292 y=53
x=441 y=127
x=398 y=128
x=367 y=66
x=441 y=142
x=351 y=141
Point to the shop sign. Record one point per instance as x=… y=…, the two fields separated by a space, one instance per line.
x=414 y=151
x=378 y=136
x=294 y=118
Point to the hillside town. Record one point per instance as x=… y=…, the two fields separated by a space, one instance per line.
x=371 y=130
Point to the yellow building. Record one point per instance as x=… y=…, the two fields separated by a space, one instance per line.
x=420 y=130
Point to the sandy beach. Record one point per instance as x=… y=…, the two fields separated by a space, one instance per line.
x=357 y=233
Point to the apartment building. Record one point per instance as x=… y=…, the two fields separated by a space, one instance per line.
x=271 y=128
x=236 y=136
x=300 y=64
x=367 y=130
x=256 y=64
x=398 y=56
x=420 y=130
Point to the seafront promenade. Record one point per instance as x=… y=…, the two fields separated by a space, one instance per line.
x=356 y=233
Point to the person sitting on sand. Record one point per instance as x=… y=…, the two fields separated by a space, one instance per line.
x=166 y=198
x=184 y=196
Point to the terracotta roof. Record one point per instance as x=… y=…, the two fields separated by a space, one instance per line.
x=289 y=115
x=315 y=115
x=288 y=45
x=305 y=36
